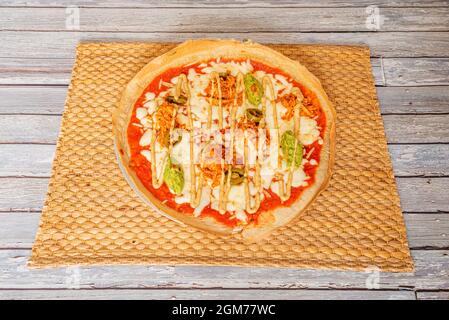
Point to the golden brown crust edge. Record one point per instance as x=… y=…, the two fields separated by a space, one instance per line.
x=199 y=50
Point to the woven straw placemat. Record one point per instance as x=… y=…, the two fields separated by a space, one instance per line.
x=91 y=215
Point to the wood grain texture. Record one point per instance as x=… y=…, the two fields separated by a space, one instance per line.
x=423 y=194
x=32 y=100
x=412 y=78
x=425 y=230
x=18 y=230
x=224 y=20
x=392 y=100
x=398 y=128
x=387 y=71
x=222 y=3
x=26 y=160
x=432 y=273
x=29 y=128
x=22 y=194
x=31 y=160
x=401 y=100
x=61 y=44
x=35 y=71
x=416 y=72
x=417 y=194
x=420 y=160
x=417 y=129
x=441 y=295
x=210 y=294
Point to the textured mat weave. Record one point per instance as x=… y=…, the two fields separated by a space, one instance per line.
x=91 y=215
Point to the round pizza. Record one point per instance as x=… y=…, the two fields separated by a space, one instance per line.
x=226 y=136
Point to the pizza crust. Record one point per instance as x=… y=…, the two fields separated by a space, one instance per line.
x=201 y=50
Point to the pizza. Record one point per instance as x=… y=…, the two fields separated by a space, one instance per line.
x=226 y=136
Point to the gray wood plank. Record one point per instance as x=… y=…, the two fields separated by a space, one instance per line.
x=26 y=160
x=392 y=100
x=221 y=3
x=413 y=99
x=423 y=194
x=432 y=273
x=398 y=128
x=30 y=160
x=427 y=230
x=32 y=100
x=24 y=194
x=208 y=294
x=416 y=72
x=420 y=160
x=29 y=128
x=35 y=71
x=424 y=230
x=436 y=295
x=417 y=194
x=398 y=71
x=387 y=44
x=416 y=129
x=18 y=229
x=225 y=19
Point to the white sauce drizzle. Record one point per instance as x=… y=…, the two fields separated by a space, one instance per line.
x=197 y=181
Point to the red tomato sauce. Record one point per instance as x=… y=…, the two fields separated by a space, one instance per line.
x=142 y=166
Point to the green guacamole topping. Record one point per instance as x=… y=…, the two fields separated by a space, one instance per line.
x=253 y=89
x=288 y=148
x=174 y=177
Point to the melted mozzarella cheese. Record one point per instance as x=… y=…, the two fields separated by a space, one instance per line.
x=150 y=95
x=145 y=140
x=282 y=83
x=146 y=154
x=308 y=131
x=204 y=202
x=266 y=175
x=181 y=151
x=232 y=67
x=237 y=197
x=299 y=177
x=241 y=215
x=275 y=188
x=184 y=198
x=160 y=156
x=199 y=109
x=141 y=113
x=151 y=106
x=199 y=104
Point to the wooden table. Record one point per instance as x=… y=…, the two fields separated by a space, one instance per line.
x=410 y=57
